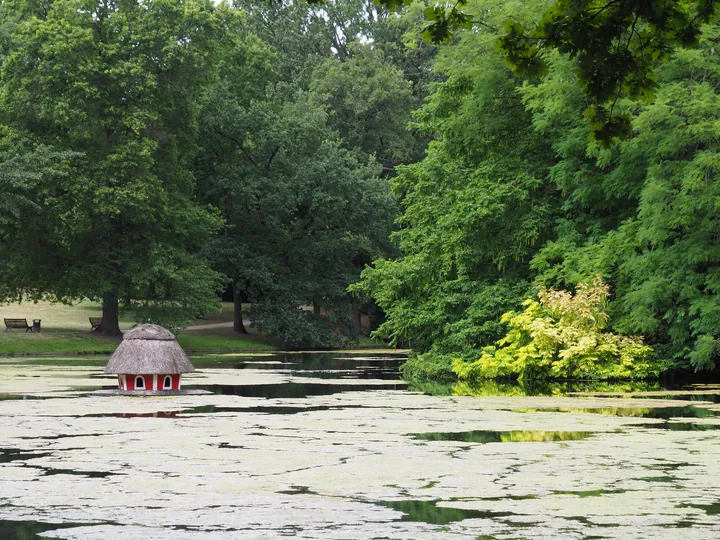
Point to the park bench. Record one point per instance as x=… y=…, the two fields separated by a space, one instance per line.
x=95 y=323
x=17 y=323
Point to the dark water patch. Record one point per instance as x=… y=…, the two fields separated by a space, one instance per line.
x=379 y=374
x=506 y=498
x=228 y=445
x=310 y=361
x=430 y=512
x=683 y=524
x=664 y=413
x=155 y=414
x=47 y=471
x=213 y=409
x=710 y=398
x=677 y=426
x=295 y=390
x=589 y=493
x=297 y=490
x=8 y=455
x=712 y=509
x=64 y=436
x=483 y=437
x=25 y=530
x=210 y=409
x=586 y=521
x=669 y=466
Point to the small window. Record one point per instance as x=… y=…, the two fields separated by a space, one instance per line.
x=167 y=383
x=139 y=382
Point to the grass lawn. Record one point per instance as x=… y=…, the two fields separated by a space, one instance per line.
x=66 y=329
x=224 y=339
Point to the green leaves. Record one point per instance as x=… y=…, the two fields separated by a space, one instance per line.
x=561 y=337
x=114 y=86
x=616 y=46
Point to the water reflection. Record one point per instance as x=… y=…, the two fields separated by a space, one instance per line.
x=664 y=413
x=15 y=454
x=484 y=437
x=293 y=390
x=490 y=388
x=430 y=512
x=26 y=530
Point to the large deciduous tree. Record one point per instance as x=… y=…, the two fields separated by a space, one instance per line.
x=302 y=213
x=115 y=83
x=476 y=208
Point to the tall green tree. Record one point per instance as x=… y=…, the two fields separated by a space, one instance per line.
x=475 y=210
x=370 y=102
x=116 y=82
x=659 y=248
x=303 y=214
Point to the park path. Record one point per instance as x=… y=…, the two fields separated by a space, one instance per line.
x=246 y=322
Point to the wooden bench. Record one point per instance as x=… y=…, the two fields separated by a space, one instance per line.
x=95 y=323
x=17 y=323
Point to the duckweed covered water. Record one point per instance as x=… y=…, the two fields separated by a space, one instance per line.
x=335 y=446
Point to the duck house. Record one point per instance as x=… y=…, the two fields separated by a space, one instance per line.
x=149 y=359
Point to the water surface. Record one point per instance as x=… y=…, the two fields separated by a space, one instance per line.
x=334 y=445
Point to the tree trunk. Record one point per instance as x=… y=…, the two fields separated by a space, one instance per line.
x=316 y=306
x=238 y=325
x=110 y=322
x=357 y=315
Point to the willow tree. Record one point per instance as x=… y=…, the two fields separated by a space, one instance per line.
x=114 y=82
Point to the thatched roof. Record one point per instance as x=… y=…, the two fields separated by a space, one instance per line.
x=149 y=349
x=149 y=331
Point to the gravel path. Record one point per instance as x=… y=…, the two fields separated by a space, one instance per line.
x=246 y=322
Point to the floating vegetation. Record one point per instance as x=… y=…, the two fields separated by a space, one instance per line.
x=678 y=426
x=330 y=453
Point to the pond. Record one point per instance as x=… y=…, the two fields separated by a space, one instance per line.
x=334 y=445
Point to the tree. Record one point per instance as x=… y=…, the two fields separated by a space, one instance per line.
x=643 y=217
x=475 y=210
x=300 y=211
x=616 y=44
x=116 y=82
x=370 y=103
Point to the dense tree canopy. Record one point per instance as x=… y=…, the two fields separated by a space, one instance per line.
x=152 y=151
x=515 y=192
x=113 y=82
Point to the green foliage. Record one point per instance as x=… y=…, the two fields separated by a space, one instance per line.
x=419 y=369
x=642 y=213
x=302 y=212
x=615 y=44
x=475 y=210
x=370 y=103
x=114 y=84
x=561 y=336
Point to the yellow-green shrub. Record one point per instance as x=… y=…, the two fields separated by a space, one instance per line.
x=561 y=335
